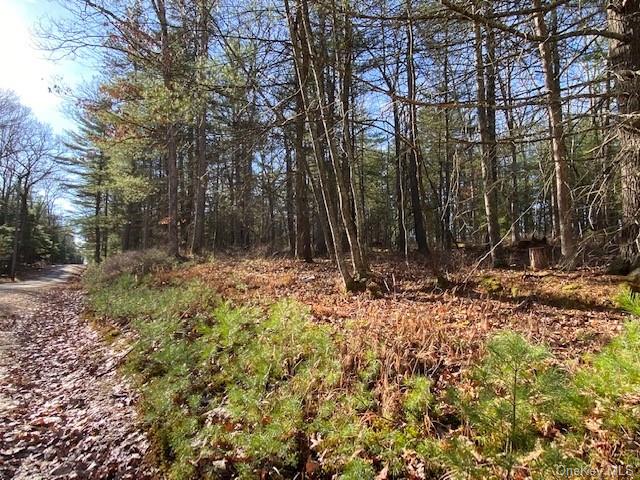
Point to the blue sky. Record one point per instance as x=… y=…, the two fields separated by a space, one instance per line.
x=27 y=70
x=31 y=72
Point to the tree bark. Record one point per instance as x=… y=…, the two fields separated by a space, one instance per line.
x=170 y=132
x=201 y=175
x=299 y=27
x=485 y=79
x=200 y=184
x=202 y=181
x=559 y=149
x=303 y=229
x=445 y=220
x=514 y=203
x=289 y=196
x=345 y=61
x=96 y=228
x=342 y=185
x=17 y=233
x=624 y=18
x=413 y=152
x=538 y=259
x=401 y=241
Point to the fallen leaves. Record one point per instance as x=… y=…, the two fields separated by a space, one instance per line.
x=417 y=328
x=59 y=419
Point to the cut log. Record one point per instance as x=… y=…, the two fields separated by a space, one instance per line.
x=538 y=258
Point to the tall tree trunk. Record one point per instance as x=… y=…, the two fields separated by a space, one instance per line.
x=322 y=242
x=559 y=148
x=348 y=142
x=147 y=211
x=289 y=196
x=303 y=229
x=17 y=232
x=172 y=189
x=413 y=152
x=247 y=195
x=447 y=236
x=144 y=244
x=401 y=241
x=514 y=205
x=200 y=184
x=96 y=228
x=201 y=174
x=299 y=27
x=624 y=18
x=485 y=79
x=125 y=244
x=170 y=132
x=105 y=231
x=342 y=184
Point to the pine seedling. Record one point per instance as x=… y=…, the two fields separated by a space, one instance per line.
x=518 y=389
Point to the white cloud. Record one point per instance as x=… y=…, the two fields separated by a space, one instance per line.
x=25 y=69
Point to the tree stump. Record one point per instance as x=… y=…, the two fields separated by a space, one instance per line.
x=538 y=258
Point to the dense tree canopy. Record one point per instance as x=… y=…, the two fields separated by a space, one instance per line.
x=317 y=127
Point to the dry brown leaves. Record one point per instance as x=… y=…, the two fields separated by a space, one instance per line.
x=419 y=328
x=60 y=417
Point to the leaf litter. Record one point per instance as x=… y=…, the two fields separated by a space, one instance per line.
x=420 y=328
x=70 y=415
x=66 y=413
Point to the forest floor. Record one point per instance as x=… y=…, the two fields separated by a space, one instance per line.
x=66 y=412
x=418 y=327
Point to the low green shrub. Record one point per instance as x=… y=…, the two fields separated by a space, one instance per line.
x=135 y=262
x=127 y=299
x=240 y=392
x=518 y=396
x=613 y=378
x=190 y=361
x=490 y=285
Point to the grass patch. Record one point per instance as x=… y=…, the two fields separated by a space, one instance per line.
x=245 y=392
x=629 y=301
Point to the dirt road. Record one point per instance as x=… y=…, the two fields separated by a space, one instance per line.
x=65 y=412
x=18 y=296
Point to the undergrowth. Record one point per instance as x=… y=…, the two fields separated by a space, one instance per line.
x=246 y=392
x=135 y=262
